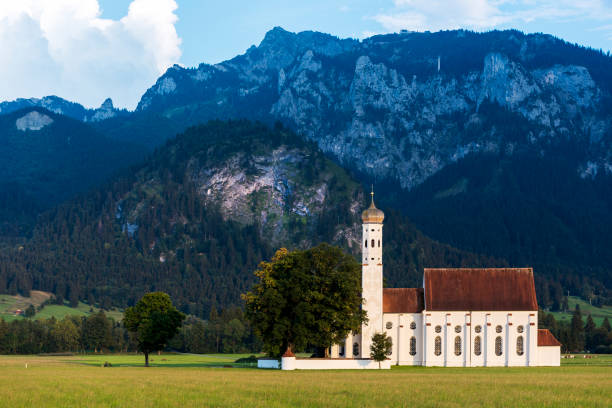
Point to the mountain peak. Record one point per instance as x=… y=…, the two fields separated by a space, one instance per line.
x=293 y=44
x=275 y=35
x=107 y=104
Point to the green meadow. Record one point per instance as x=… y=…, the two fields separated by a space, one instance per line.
x=177 y=380
x=10 y=303
x=598 y=313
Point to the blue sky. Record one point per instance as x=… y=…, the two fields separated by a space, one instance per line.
x=213 y=31
x=87 y=50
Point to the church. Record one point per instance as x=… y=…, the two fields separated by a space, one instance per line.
x=460 y=317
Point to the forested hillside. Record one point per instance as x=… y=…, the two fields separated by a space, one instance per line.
x=196 y=218
x=48 y=158
x=530 y=210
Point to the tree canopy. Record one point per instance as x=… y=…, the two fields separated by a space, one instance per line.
x=154 y=320
x=310 y=297
x=380 y=348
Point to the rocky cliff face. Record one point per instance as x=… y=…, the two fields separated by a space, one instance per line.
x=268 y=190
x=290 y=192
x=402 y=107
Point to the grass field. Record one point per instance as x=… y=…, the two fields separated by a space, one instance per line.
x=598 y=313
x=10 y=303
x=198 y=381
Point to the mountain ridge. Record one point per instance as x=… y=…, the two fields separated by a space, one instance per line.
x=346 y=94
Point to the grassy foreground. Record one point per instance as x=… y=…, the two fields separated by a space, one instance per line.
x=193 y=381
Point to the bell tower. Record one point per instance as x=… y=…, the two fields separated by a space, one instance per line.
x=371 y=274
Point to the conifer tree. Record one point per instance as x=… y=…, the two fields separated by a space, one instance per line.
x=576 y=331
x=589 y=332
x=606 y=325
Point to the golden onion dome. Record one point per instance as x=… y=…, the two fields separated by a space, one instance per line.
x=372 y=214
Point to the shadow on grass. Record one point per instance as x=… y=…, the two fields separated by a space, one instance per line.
x=100 y=363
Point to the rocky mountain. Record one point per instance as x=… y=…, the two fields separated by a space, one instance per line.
x=197 y=217
x=403 y=106
x=47 y=158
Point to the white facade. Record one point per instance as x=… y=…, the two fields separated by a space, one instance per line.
x=549 y=356
x=474 y=339
x=406 y=333
x=464 y=339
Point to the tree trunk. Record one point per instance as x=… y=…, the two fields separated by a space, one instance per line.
x=146 y=353
x=379 y=365
x=326 y=352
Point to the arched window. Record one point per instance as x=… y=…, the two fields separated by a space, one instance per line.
x=366 y=243
x=413 y=325
x=498 y=346
x=373 y=244
x=438 y=329
x=355 y=349
x=379 y=243
x=457 y=329
x=438 y=346
x=390 y=348
x=477 y=346
x=341 y=351
x=458 y=345
x=519 y=345
x=413 y=346
x=498 y=329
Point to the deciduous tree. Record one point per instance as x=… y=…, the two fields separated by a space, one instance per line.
x=310 y=297
x=154 y=320
x=380 y=348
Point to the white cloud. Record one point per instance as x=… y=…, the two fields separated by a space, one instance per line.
x=420 y=15
x=64 y=47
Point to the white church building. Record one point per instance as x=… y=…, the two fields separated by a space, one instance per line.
x=461 y=317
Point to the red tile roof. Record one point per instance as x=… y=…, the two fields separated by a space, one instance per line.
x=479 y=289
x=403 y=300
x=546 y=338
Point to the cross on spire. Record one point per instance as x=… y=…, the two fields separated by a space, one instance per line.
x=372 y=205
